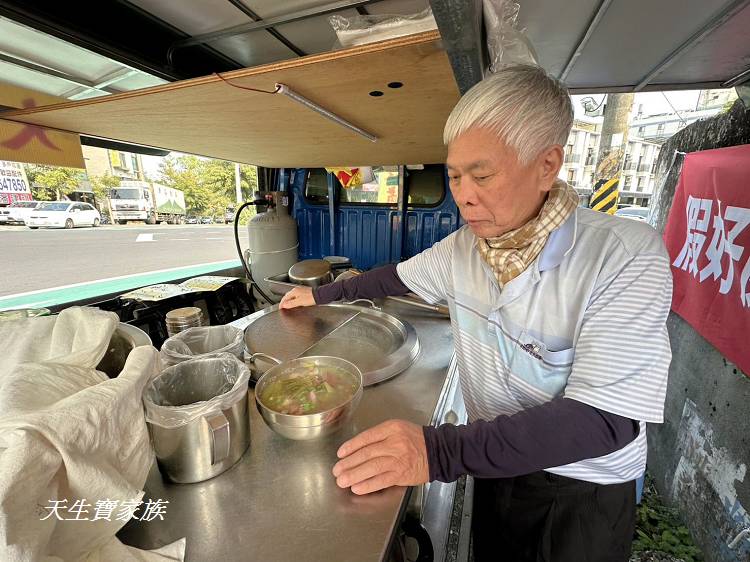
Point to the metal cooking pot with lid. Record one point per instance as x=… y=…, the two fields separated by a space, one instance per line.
x=312 y=273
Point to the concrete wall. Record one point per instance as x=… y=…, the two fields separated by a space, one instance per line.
x=699 y=456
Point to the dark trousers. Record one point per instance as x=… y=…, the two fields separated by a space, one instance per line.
x=542 y=517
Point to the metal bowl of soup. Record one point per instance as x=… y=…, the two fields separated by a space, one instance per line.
x=309 y=397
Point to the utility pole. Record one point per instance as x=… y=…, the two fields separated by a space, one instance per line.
x=612 y=145
x=237 y=184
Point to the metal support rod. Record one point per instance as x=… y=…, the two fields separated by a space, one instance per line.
x=273 y=32
x=742 y=535
x=720 y=19
x=403 y=202
x=264 y=24
x=28 y=65
x=103 y=82
x=460 y=23
x=291 y=94
x=25 y=14
x=593 y=24
x=737 y=80
x=333 y=191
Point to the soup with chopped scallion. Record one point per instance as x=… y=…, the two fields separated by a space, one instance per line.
x=309 y=390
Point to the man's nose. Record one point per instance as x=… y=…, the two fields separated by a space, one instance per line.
x=464 y=194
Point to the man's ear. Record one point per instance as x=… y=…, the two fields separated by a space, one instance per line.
x=549 y=163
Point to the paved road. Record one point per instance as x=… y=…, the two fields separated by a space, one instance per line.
x=40 y=259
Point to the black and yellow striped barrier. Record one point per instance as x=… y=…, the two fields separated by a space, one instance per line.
x=605 y=196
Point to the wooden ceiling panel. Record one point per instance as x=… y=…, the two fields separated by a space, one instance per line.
x=207 y=116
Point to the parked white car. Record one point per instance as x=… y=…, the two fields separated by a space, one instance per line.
x=635 y=213
x=63 y=214
x=17 y=212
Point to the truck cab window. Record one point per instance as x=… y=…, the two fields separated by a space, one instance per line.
x=382 y=189
x=426 y=187
x=316 y=186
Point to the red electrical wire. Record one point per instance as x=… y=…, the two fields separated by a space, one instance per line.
x=247 y=87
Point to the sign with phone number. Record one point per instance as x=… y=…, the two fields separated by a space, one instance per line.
x=12 y=177
x=14 y=185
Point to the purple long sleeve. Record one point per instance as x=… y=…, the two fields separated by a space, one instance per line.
x=559 y=432
x=374 y=284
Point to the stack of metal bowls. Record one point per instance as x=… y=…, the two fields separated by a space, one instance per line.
x=181 y=319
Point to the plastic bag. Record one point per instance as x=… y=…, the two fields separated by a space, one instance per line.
x=204 y=341
x=506 y=44
x=359 y=30
x=195 y=388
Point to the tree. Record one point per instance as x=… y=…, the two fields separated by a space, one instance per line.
x=50 y=183
x=101 y=185
x=209 y=185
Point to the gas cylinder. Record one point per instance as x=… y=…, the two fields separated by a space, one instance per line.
x=273 y=245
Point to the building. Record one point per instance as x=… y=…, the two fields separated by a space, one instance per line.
x=646 y=134
x=658 y=128
x=580 y=154
x=102 y=162
x=637 y=175
x=716 y=99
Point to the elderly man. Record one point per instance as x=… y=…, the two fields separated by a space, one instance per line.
x=558 y=316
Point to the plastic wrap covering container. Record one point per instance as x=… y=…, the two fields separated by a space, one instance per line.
x=505 y=42
x=196 y=412
x=359 y=30
x=205 y=341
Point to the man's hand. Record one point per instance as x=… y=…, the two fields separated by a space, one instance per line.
x=299 y=296
x=392 y=453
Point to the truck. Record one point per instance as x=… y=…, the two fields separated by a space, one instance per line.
x=135 y=200
x=697 y=457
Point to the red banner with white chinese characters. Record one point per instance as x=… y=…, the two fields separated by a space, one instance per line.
x=708 y=239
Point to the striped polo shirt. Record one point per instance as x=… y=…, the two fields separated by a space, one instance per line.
x=587 y=321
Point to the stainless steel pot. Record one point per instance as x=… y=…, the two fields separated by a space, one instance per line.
x=124 y=339
x=312 y=273
x=307 y=426
x=209 y=443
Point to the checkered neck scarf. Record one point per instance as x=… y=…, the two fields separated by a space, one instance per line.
x=510 y=254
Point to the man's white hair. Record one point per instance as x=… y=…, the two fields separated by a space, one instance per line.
x=526 y=107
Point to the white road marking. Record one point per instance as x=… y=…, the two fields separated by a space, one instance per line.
x=145 y=238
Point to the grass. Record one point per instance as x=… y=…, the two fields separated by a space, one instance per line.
x=659 y=529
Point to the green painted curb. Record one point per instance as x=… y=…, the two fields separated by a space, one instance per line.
x=62 y=295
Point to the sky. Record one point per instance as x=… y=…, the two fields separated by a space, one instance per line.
x=151 y=165
x=653 y=103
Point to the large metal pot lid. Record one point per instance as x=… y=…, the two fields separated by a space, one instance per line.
x=381 y=345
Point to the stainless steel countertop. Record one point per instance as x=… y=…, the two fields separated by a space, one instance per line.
x=280 y=502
